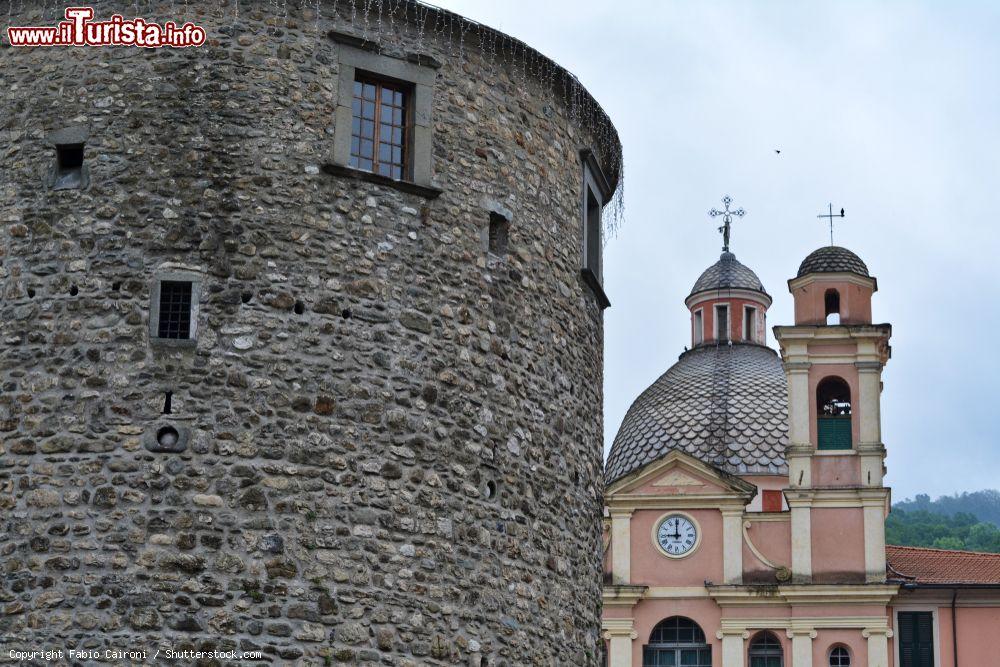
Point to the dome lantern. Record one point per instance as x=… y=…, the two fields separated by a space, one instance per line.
x=832 y=287
x=728 y=303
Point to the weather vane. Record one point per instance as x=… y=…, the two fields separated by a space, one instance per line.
x=727 y=219
x=831 y=215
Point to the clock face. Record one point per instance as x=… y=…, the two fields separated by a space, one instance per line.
x=677 y=535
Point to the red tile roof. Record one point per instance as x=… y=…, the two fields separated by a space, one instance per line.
x=938 y=566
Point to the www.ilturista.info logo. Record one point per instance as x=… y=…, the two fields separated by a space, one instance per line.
x=79 y=30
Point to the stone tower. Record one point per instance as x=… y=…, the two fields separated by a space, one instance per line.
x=301 y=339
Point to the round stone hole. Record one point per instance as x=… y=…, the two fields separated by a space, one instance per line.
x=299 y=308
x=245 y=297
x=167 y=437
x=490 y=489
x=31 y=292
x=74 y=290
x=346 y=313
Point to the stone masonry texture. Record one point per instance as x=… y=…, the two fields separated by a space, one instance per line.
x=391 y=438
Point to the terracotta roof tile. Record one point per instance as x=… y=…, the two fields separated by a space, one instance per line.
x=938 y=566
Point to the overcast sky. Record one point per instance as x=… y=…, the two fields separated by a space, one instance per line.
x=889 y=110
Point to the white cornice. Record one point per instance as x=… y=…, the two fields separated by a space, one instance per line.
x=727 y=293
x=838 y=277
x=802 y=594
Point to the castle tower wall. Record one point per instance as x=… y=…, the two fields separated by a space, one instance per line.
x=386 y=430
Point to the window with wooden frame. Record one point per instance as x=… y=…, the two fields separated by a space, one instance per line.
x=595 y=191
x=379 y=120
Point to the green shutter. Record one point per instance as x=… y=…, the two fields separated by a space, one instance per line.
x=834 y=432
x=916 y=639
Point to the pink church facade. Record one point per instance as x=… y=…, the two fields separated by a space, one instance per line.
x=745 y=503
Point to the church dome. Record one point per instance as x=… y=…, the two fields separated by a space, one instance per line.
x=725 y=405
x=832 y=259
x=728 y=273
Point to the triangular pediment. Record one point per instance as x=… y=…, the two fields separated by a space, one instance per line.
x=679 y=473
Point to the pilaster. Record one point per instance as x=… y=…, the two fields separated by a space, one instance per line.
x=733 y=646
x=802 y=650
x=801 y=528
x=874 y=522
x=621 y=546
x=870 y=448
x=878 y=646
x=732 y=545
x=620 y=633
x=800 y=448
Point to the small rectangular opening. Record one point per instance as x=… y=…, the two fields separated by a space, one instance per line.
x=499 y=234
x=699 y=328
x=749 y=322
x=69 y=166
x=175 y=310
x=722 y=322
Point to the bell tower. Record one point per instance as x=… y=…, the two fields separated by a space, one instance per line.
x=833 y=358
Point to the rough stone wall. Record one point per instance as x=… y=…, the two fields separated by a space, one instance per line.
x=330 y=505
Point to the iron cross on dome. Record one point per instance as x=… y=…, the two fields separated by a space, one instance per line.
x=830 y=215
x=727 y=219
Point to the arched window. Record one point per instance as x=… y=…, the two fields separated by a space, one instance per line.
x=765 y=651
x=840 y=657
x=832 y=302
x=833 y=414
x=677 y=641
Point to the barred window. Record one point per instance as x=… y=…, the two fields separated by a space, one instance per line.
x=378 y=127
x=175 y=309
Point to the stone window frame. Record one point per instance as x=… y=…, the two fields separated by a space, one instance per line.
x=593 y=184
x=174 y=275
x=355 y=55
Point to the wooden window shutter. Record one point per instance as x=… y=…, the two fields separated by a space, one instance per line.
x=916 y=639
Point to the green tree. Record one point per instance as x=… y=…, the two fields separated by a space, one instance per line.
x=948 y=543
x=920 y=528
x=984 y=537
